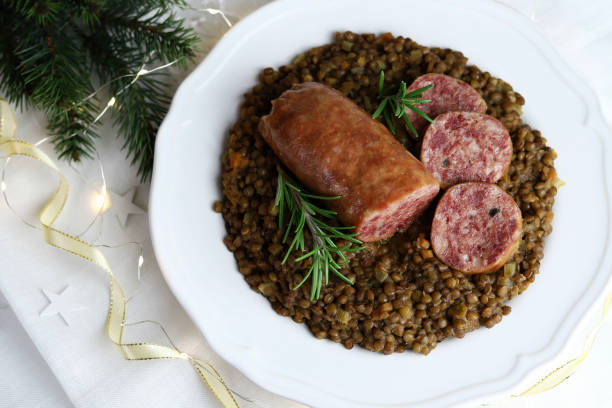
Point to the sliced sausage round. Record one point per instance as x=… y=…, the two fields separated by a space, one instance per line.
x=476 y=228
x=448 y=94
x=466 y=146
x=336 y=149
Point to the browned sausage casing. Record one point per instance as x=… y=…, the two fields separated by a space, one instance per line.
x=336 y=149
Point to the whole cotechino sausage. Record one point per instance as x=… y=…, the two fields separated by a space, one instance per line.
x=466 y=146
x=447 y=94
x=476 y=228
x=336 y=149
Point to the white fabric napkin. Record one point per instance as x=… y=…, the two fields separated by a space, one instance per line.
x=47 y=363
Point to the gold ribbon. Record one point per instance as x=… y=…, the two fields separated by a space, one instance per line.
x=115 y=320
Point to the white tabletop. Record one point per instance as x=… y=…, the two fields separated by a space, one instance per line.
x=48 y=364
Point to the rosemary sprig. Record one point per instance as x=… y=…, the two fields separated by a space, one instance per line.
x=398 y=102
x=303 y=213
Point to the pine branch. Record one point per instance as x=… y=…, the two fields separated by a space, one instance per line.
x=54 y=66
x=49 y=50
x=43 y=12
x=63 y=83
x=139 y=110
x=138 y=116
x=88 y=12
x=160 y=32
x=12 y=84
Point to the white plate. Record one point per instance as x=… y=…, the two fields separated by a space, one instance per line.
x=284 y=357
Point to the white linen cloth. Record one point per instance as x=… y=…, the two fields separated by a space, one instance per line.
x=46 y=363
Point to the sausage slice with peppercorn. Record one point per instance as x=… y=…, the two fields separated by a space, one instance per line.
x=476 y=228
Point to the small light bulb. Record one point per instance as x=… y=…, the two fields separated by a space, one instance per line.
x=102 y=201
x=99 y=200
x=140 y=262
x=2 y=186
x=111 y=102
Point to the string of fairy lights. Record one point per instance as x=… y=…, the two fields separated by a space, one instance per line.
x=101 y=200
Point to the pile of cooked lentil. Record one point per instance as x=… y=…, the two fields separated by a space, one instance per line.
x=403 y=297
